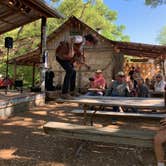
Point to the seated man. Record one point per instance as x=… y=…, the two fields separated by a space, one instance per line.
x=118 y=87
x=159 y=140
x=97 y=84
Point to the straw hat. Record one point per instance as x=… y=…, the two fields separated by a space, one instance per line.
x=120 y=73
x=98 y=71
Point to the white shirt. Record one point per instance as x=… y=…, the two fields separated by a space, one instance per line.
x=159 y=86
x=77 y=39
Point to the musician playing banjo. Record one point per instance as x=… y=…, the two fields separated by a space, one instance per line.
x=69 y=53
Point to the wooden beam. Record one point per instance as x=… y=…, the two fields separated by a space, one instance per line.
x=15 y=71
x=33 y=75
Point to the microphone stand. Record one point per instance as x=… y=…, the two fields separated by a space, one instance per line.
x=6 y=77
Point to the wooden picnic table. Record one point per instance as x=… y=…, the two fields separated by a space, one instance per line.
x=104 y=101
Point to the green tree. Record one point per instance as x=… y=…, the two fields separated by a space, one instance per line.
x=96 y=14
x=162 y=36
x=155 y=3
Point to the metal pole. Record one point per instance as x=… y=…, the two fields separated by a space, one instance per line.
x=43 y=52
x=6 y=77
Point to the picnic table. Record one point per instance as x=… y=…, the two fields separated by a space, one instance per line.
x=106 y=134
x=104 y=101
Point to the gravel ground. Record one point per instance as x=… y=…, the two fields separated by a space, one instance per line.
x=23 y=142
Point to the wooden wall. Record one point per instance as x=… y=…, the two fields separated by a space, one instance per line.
x=147 y=69
x=98 y=57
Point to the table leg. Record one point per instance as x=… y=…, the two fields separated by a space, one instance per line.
x=93 y=115
x=85 y=113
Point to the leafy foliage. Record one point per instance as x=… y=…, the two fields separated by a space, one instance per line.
x=162 y=36
x=155 y=3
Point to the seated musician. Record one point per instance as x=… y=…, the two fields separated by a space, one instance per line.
x=97 y=84
x=65 y=54
x=159 y=141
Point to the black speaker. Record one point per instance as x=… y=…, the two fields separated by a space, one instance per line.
x=8 y=42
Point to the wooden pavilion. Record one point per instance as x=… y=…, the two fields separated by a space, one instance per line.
x=111 y=52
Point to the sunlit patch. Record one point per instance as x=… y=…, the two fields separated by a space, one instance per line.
x=75 y=120
x=8 y=153
x=5 y=132
x=28 y=119
x=27 y=123
x=150 y=127
x=40 y=113
x=38 y=133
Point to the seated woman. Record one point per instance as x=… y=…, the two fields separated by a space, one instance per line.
x=159 y=140
x=141 y=89
x=159 y=83
x=97 y=84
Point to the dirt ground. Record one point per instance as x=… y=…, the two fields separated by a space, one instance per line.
x=23 y=142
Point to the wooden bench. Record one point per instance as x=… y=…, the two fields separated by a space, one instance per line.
x=123 y=114
x=137 y=137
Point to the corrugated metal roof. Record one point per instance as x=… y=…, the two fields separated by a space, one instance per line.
x=15 y=13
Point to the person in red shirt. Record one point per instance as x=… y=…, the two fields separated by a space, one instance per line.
x=97 y=84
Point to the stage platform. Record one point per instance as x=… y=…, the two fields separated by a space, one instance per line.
x=15 y=101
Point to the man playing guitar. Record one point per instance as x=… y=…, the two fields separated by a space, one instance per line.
x=69 y=53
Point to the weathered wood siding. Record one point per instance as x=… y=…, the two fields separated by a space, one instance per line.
x=99 y=57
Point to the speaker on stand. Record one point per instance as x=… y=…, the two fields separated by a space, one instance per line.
x=8 y=45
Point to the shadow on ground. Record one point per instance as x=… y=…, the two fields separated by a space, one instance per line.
x=23 y=142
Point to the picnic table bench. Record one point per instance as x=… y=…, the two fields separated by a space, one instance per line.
x=139 y=138
x=122 y=114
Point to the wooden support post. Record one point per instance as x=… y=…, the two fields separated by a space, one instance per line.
x=33 y=75
x=164 y=68
x=15 y=71
x=165 y=95
x=43 y=52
